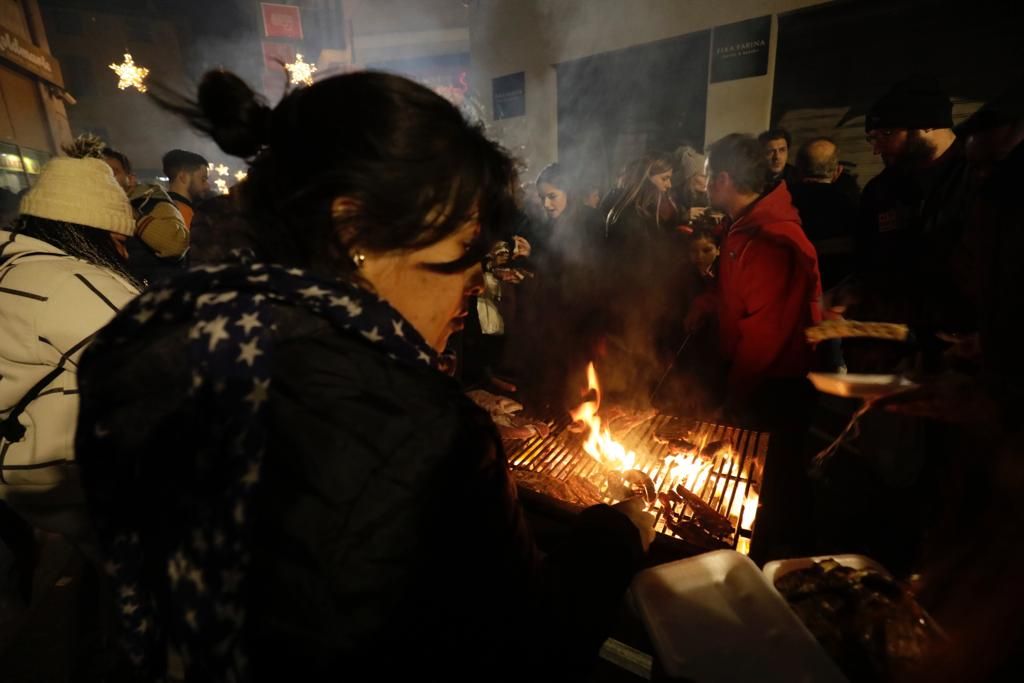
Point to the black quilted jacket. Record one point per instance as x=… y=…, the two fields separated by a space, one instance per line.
x=390 y=540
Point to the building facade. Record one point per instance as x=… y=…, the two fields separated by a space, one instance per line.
x=33 y=118
x=617 y=77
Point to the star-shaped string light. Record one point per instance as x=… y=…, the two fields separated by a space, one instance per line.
x=222 y=170
x=240 y=176
x=222 y=185
x=300 y=72
x=131 y=75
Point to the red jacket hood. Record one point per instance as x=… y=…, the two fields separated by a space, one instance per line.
x=764 y=305
x=774 y=217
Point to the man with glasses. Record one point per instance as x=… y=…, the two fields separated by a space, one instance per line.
x=912 y=219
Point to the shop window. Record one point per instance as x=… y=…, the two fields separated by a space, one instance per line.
x=32 y=161
x=12 y=170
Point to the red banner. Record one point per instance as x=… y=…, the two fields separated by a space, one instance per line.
x=281 y=21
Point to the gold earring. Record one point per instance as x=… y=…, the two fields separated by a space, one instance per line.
x=359 y=258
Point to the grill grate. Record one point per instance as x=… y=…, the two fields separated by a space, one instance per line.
x=731 y=475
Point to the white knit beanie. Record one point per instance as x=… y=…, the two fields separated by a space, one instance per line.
x=80 y=191
x=691 y=162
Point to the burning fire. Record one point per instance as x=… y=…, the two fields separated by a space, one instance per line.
x=599 y=444
x=749 y=510
x=691 y=469
x=687 y=469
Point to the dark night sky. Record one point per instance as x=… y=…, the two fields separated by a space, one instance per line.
x=211 y=32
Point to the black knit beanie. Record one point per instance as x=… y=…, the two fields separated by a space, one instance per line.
x=914 y=103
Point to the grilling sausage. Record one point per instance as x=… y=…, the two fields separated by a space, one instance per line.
x=678 y=444
x=713 y=448
x=693 y=534
x=708 y=517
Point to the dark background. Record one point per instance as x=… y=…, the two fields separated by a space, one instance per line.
x=847 y=53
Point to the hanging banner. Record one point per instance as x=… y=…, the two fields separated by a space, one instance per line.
x=740 y=50
x=281 y=21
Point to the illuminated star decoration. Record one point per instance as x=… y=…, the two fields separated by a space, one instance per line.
x=130 y=74
x=222 y=185
x=240 y=176
x=300 y=72
x=222 y=170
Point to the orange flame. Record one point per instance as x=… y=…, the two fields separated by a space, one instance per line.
x=749 y=510
x=689 y=470
x=599 y=444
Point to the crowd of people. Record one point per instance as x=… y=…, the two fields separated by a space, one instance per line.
x=633 y=279
x=249 y=412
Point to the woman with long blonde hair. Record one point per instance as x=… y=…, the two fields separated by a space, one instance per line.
x=644 y=202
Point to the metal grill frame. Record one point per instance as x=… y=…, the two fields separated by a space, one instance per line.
x=561 y=455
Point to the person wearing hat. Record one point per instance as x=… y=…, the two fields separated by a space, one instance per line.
x=994 y=142
x=690 y=184
x=63 y=280
x=912 y=221
x=994 y=133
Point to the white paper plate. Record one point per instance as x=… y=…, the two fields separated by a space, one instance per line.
x=859 y=386
x=715 y=618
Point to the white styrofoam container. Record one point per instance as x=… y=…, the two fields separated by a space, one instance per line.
x=859 y=386
x=776 y=569
x=715 y=618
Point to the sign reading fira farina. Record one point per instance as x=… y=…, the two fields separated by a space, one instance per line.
x=740 y=50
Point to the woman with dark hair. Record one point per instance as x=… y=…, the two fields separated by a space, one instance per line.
x=337 y=505
x=571 y=233
x=572 y=227
x=563 y=300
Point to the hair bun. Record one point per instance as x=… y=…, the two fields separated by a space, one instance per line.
x=238 y=118
x=85 y=146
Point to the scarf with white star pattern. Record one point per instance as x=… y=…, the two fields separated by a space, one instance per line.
x=187 y=591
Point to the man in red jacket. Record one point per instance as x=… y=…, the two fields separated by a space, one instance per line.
x=769 y=289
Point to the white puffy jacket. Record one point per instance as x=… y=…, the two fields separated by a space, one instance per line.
x=51 y=305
